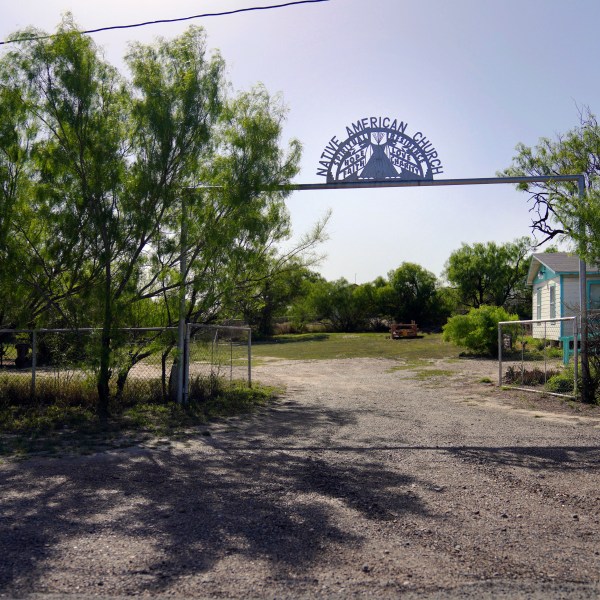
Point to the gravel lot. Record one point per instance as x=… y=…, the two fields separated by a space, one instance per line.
x=362 y=481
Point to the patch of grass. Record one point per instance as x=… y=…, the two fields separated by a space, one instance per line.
x=324 y=346
x=410 y=366
x=429 y=373
x=485 y=380
x=70 y=424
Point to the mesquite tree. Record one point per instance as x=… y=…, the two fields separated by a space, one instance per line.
x=94 y=173
x=493 y=274
x=557 y=208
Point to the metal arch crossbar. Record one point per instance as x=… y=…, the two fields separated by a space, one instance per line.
x=339 y=185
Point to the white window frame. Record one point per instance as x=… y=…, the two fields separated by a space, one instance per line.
x=552 y=301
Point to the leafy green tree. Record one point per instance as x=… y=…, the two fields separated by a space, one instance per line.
x=113 y=157
x=447 y=303
x=346 y=305
x=272 y=296
x=478 y=329
x=239 y=220
x=302 y=310
x=413 y=294
x=494 y=274
x=99 y=171
x=17 y=135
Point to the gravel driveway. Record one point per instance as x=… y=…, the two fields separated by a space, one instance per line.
x=362 y=481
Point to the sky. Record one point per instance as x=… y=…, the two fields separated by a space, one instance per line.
x=476 y=77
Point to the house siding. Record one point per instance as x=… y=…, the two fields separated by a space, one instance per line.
x=548 y=331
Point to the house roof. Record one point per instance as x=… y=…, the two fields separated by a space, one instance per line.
x=559 y=262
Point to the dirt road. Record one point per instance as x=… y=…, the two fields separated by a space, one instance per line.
x=363 y=481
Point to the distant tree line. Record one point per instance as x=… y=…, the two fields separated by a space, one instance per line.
x=482 y=274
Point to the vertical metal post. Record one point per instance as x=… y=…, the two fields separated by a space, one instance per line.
x=575 y=354
x=215 y=341
x=545 y=352
x=33 y=361
x=182 y=275
x=186 y=357
x=230 y=358
x=499 y=354
x=249 y=358
x=523 y=362
x=583 y=305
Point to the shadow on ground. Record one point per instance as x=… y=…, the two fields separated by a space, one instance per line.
x=190 y=507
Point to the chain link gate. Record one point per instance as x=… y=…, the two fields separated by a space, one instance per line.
x=63 y=363
x=539 y=355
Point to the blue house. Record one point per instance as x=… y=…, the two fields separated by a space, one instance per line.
x=554 y=277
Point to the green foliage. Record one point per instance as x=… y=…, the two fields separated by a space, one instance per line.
x=558 y=208
x=561 y=383
x=531 y=348
x=478 y=329
x=347 y=306
x=414 y=290
x=410 y=292
x=273 y=295
x=492 y=274
x=95 y=170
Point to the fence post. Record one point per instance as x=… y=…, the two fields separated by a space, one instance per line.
x=249 y=358
x=575 y=355
x=33 y=361
x=499 y=354
x=545 y=352
x=186 y=364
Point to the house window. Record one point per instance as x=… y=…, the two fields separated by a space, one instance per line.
x=538 y=302
x=594 y=296
x=553 y=302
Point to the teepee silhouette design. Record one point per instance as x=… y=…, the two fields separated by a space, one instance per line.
x=379 y=165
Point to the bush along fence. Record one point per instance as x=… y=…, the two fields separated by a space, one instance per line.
x=539 y=356
x=57 y=363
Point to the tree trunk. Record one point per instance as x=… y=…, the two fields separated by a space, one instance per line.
x=121 y=381
x=173 y=380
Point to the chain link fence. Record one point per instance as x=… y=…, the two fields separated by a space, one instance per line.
x=60 y=363
x=539 y=356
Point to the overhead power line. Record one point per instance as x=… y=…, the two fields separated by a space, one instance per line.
x=177 y=20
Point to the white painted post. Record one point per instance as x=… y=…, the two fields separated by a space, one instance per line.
x=499 y=354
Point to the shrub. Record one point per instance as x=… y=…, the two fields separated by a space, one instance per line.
x=534 y=376
x=204 y=388
x=562 y=383
x=478 y=329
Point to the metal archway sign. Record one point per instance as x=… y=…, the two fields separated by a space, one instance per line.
x=379 y=149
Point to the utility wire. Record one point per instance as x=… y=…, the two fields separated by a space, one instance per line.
x=157 y=22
